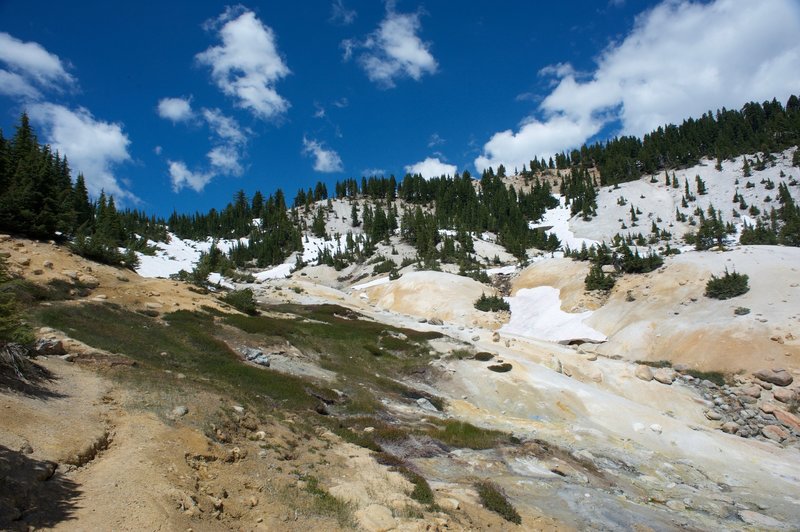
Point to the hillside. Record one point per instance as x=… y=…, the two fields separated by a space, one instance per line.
x=326 y=364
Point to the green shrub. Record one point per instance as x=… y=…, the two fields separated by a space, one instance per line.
x=242 y=300
x=492 y=498
x=741 y=311
x=505 y=367
x=731 y=284
x=597 y=280
x=483 y=356
x=491 y=303
x=383 y=267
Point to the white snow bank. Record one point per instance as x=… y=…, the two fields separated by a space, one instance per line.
x=536 y=313
x=370 y=284
x=558 y=220
x=502 y=270
x=278 y=272
x=216 y=279
x=178 y=254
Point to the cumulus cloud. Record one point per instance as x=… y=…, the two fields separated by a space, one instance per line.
x=247 y=65
x=175 y=109
x=325 y=159
x=681 y=59
x=342 y=15
x=29 y=64
x=16 y=86
x=182 y=177
x=393 y=50
x=431 y=167
x=94 y=147
x=228 y=139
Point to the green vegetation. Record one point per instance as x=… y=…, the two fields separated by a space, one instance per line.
x=191 y=345
x=597 y=280
x=422 y=492
x=505 y=367
x=491 y=303
x=655 y=363
x=728 y=286
x=714 y=376
x=12 y=326
x=327 y=504
x=741 y=311
x=493 y=499
x=461 y=434
x=242 y=300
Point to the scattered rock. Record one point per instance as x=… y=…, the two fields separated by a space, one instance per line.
x=179 y=411
x=89 y=281
x=730 y=427
x=713 y=415
x=664 y=375
x=476 y=338
x=753 y=391
x=47 y=347
x=655 y=427
x=783 y=395
x=376 y=518
x=768 y=408
x=778 y=377
x=495 y=336
x=774 y=432
x=72 y=275
x=448 y=503
x=25 y=261
x=760 y=520
x=426 y=405
x=788 y=420
x=644 y=372
x=122 y=278
x=435 y=321
x=47 y=265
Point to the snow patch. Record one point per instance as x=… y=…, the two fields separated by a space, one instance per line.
x=370 y=284
x=536 y=313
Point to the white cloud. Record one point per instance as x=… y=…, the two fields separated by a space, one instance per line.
x=225 y=127
x=182 y=177
x=319 y=110
x=93 y=147
x=681 y=59
x=157 y=150
x=16 y=86
x=341 y=103
x=340 y=14
x=325 y=160
x=175 y=109
x=435 y=140
x=247 y=64
x=31 y=61
x=431 y=167
x=369 y=172
x=225 y=159
x=393 y=50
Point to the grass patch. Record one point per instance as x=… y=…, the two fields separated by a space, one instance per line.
x=716 y=377
x=422 y=492
x=188 y=338
x=466 y=435
x=493 y=499
x=655 y=363
x=327 y=504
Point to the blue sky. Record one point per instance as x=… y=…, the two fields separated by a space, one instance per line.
x=177 y=105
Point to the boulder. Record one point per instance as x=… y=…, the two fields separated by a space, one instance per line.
x=788 y=420
x=376 y=518
x=47 y=347
x=426 y=405
x=760 y=521
x=664 y=375
x=768 y=408
x=644 y=372
x=753 y=391
x=783 y=395
x=778 y=377
x=713 y=415
x=435 y=321
x=774 y=433
x=730 y=427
